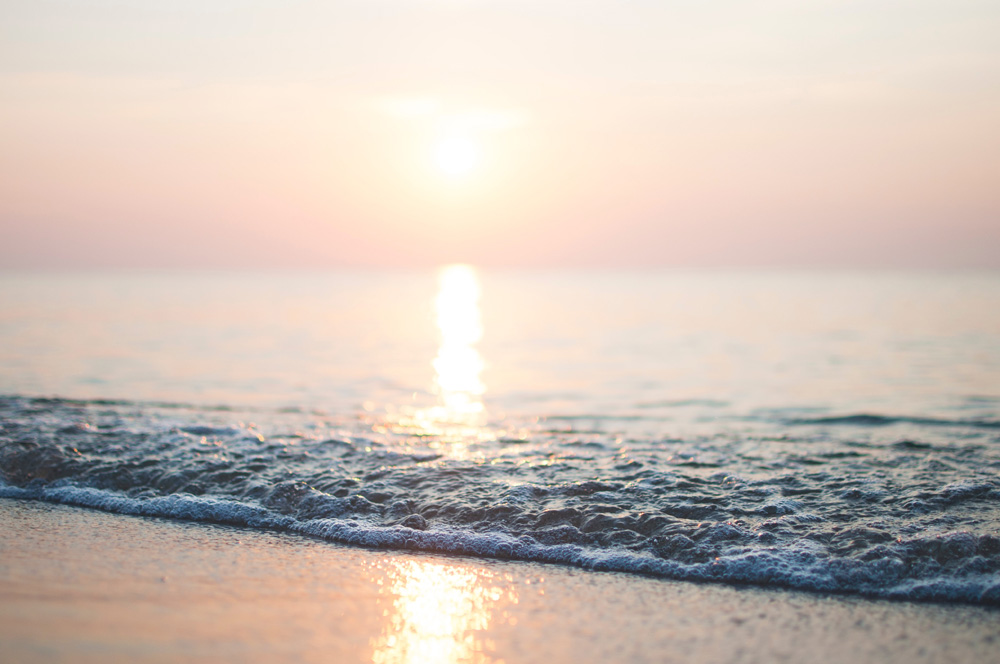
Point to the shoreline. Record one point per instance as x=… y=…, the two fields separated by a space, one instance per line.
x=94 y=586
x=489 y=547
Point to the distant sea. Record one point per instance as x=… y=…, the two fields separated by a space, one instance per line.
x=826 y=431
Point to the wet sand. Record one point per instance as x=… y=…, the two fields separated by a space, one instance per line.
x=86 y=586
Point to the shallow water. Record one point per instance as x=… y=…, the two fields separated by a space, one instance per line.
x=835 y=432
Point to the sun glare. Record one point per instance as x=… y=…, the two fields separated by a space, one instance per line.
x=456 y=156
x=458 y=363
x=440 y=613
x=459 y=417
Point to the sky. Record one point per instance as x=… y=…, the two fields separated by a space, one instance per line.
x=521 y=133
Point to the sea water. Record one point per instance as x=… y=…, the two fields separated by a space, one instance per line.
x=836 y=432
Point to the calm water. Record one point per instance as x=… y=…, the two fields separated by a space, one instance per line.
x=823 y=431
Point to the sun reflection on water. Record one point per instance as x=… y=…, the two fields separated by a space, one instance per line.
x=457 y=421
x=458 y=363
x=459 y=416
x=440 y=613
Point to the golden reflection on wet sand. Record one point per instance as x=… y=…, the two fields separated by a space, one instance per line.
x=440 y=613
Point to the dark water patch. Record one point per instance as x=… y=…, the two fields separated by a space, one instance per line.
x=870 y=420
x=911 y=445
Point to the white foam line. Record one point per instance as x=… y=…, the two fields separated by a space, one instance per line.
x=788 y=567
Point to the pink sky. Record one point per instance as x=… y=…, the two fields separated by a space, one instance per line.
x=305 y=135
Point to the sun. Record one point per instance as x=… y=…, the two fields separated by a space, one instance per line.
x=457 y=155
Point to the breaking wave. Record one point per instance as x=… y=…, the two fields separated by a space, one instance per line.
x=914 y=518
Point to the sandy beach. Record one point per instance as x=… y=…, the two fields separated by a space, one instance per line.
x=81 y=585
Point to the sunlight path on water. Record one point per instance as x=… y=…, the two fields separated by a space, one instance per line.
x=458 y=363
x=459 y=417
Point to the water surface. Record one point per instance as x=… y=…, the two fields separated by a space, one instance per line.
x=836 y=432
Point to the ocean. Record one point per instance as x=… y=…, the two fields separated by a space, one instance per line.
x=825 y=431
